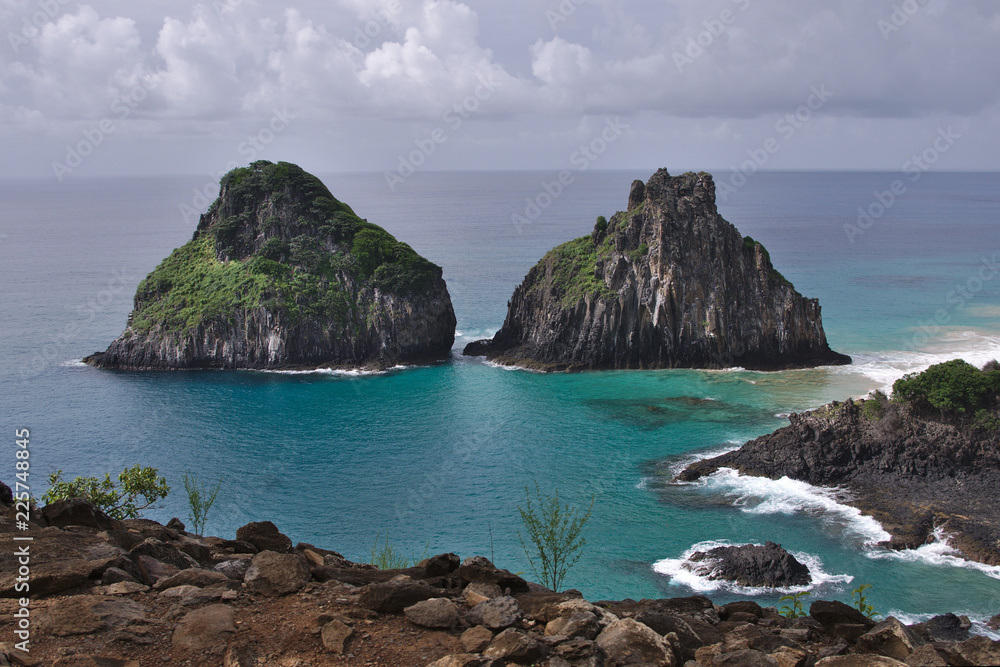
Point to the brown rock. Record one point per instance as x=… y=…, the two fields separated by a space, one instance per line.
x=206 y=629
x=192 y=577
x=743 y=658
x=433 y=613
x=478 y=592
x=496 y=614
x=466 y=660
x=93 y=661
x=482 y=570
x=859 y=661
x=514 y=646
x=442 y=565
x=706 y=654
x=890 y=638
x=275 y=574
x=265 y=536
x=790 y=657
x=162 y=552
x=240 y=654
x=979 y=651
x=627 y=641
x=926 y=656
x=153 y=570
x=578 y=624
x=850 y=632
x=475 y=640
x=742 y=606
x=87 y=614
x=78 y=512
x=392 y=597
x=831 y=612
x=740 y=638
x=335 y=635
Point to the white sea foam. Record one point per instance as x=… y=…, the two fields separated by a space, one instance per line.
x=73 y=363
x=339 y=372
x=938 y=552
x=680 y=571
x=884 y=368
x=678 y=466
x=760 y=495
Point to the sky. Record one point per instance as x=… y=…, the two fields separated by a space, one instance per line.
x=146 y=88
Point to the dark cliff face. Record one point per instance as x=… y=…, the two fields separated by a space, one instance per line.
x=667 y=284
x=280 y=274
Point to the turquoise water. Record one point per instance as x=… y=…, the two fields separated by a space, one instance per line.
x=439 y=457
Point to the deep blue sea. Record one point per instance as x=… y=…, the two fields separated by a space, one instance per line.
x=438 y=458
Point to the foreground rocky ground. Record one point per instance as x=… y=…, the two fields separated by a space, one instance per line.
x=114 y=594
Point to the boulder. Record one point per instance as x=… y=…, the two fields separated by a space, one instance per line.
x=979 y=651
x=88 y=614
x=78 y=512
x=859 y=661
x=578 y=624
x=739 y=639
x=944 y=628
x=927 y=656
x=442 y=565
x=162 y=552
x=742 y=606
x=744 y=658
x=335 y=635
x=275 y=574
x=392 y=597
x=476 y=639
x=830 y=612
x=205 y=630
x=663 y=624
x=890 y=638
x=994 y=623
x=751 y=565
x=120 y=588
x=478 y=592
x=627 y=641
x=433 y=613
x=479 y=569
x=496 y=614
x=153 y=570
x=515 y=646
x=6 y=495
x=114 y=575
x=192 y=577
x=466 y=660
x=265 y=536
x=234 y=569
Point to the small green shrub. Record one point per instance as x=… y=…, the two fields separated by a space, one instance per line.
x=385 y=557
x=200 y=501
x=137 y=489
x=861 y=601
x=554 y=532
x=794 y=608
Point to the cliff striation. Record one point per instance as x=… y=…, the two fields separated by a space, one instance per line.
x=668 y=283
x=280 y=274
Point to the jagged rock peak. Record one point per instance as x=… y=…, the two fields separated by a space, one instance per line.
x=667 y=283
x=281 y=274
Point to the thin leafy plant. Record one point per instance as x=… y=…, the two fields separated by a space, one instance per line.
x=861 y=602
x=385 y=557
x=553 y=529
x=200 y=501
x=794 y=608
x=137 y=489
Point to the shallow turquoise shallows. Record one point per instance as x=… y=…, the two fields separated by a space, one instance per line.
x=438 y=458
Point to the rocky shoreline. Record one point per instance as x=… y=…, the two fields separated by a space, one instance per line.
x=113 y=593
x=918 y=474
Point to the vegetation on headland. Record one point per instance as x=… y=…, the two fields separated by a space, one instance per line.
x=277 y=238
x=137 y=489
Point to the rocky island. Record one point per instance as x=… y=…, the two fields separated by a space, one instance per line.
x=668 y=283
x=280 y=274
x=927 y=459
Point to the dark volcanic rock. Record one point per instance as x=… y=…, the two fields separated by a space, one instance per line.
x=280 y=274
x=830 y=613
x=752 y=565
x=941 y=472
x=667 y=284
x=78 y=512
x=265 y=536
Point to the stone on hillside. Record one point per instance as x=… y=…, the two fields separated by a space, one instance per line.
x=980 y=650
x=477 y=592
x=88 y=614
x=78 y=512
x=162 y=552
x=831 y=612
x=265 y=536
x=466 y=660
x=392 y=597
x=627 y=641
x=192 y=577
x=890 y=638
x=442 y=565
x=274 y=574
x=944 y=628
x=205 y=630
x=514 y=646
x=335 y=635
x=859 y=661
x=496 y=614
x=480 y=569
x=433 y=613
x=234 y=569
x=476 y=639
x=114 y=575
x=744 y=658
x=93 y=661
x=578 y=624
x=688 y=639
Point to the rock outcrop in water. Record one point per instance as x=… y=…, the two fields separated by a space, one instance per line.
x=280 y=274
x=914 y=468
x=668 y=283
x=752 y=565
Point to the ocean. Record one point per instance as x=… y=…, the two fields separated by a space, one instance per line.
x=439 y=458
